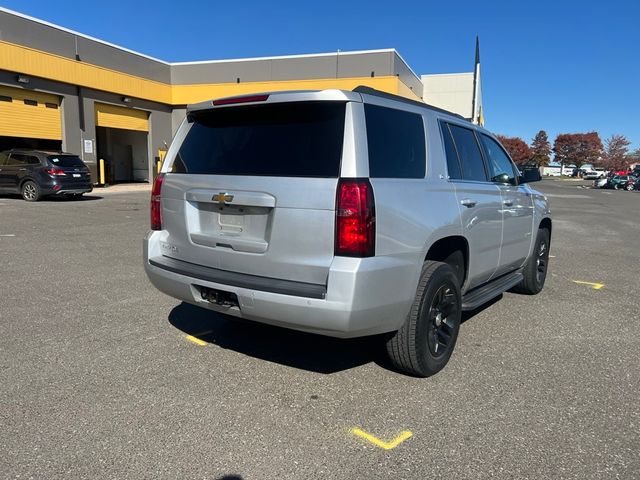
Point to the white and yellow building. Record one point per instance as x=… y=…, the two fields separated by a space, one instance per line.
x=60 y=89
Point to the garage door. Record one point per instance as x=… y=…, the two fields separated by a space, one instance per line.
x=120 y=117
x=28 y=114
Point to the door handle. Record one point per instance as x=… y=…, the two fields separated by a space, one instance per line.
x=467 y=202
x=22 y=169
x=508 y=203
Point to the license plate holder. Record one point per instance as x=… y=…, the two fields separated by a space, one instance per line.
x=231 y=222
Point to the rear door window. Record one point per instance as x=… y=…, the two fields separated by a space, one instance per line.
x=453 y=163
x=301 y=139
x=468 y=153
x=396 y=143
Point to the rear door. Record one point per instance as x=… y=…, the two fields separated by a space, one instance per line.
x=13 y=171
x=479 y=201
x=4 y=158
x=251 y=189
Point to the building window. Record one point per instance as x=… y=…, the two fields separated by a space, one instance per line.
x=30 y=102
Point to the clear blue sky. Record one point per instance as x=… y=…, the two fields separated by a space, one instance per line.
x=562 y=66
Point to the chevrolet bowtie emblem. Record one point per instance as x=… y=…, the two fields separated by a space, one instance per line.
x=222 y=198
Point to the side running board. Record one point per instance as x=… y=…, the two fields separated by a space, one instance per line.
x=481 y=295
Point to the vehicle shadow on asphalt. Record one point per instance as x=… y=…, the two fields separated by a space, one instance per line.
x=306 y=351
x=56 y=198
x=468 y=315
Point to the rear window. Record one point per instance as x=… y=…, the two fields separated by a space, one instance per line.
x=66 y=160
x=301 y=139
x=396 y=143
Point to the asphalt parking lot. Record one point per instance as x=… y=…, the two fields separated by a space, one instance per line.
x=104 y=377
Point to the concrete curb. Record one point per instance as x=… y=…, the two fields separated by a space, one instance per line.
x=122 y=188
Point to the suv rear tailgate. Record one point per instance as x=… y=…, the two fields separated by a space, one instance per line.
x=252 y=190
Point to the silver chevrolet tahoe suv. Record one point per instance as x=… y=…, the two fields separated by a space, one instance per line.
x=344 y=213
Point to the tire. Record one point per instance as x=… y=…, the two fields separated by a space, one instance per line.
x=535 y=270
x=629 y=187
x=30 y=191
x=424 y=344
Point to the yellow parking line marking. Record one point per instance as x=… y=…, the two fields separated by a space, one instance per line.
x=595 y=286
x=195 y=340
x=381 y=443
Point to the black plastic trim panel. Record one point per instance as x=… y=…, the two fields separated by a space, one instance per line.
x=481 y=295
x=242 y=280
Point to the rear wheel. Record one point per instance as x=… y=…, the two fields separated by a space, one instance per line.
x=629 y=187
x=424 y=344
x=30 y=191
x=535 y=270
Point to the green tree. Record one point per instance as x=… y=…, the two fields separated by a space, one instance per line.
x=540 y=149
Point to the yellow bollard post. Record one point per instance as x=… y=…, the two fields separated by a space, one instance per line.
x=102 y=171
x=161 y=154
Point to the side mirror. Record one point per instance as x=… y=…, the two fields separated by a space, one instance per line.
x=528 y=176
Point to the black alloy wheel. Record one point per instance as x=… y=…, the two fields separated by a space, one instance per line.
x=542 y=261
x=425 y=342
x=442 y=319
x=30 y=191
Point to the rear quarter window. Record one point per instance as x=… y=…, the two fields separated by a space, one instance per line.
x=396 y=143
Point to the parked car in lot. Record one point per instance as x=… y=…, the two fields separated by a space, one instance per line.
x=620 y=182
x=592 y=175
x=601 y=183
x=324 y=211
x=35 y=174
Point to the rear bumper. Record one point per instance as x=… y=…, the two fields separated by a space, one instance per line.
x=57 y=187
x=362 y=296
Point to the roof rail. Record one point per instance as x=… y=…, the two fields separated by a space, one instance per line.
x=391 y=96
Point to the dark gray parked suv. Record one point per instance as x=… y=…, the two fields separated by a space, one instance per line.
x=345 y=214
x=35 y=174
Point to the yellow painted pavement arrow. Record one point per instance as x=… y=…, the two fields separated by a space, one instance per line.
x=380 y=443
x=595 y=286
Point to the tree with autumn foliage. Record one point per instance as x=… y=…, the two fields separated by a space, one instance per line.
x=616 y=153
x=540 y=149
x=578 y=148
x=518 y=149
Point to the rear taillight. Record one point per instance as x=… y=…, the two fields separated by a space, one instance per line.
x=355 y=218
x=156 y=211
x=54 y=171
